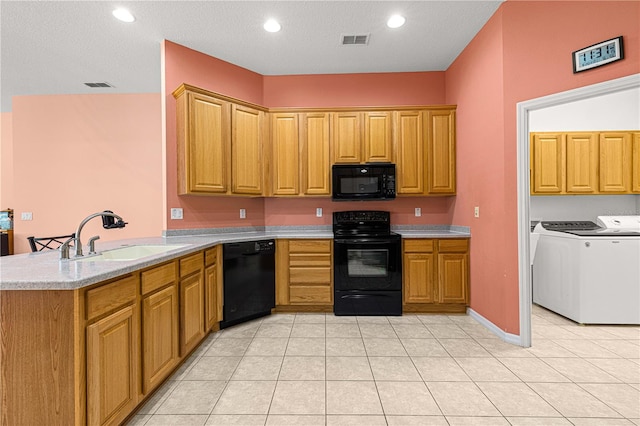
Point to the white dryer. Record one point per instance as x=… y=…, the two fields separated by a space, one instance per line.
x=589 y=273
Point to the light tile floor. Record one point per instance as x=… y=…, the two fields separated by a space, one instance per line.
x=316 y=369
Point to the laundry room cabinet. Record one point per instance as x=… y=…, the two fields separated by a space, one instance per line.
x=587 y=163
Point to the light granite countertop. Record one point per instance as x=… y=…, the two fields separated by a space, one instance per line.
x=45 y=270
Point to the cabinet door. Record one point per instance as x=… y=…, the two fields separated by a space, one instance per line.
x=160 y=336
x=191 y=312
x=378 y=147
x=419 y=277
x=582 y=163
x=246 y=152
x=635 y=181
x=112 y=367
x=441 y=152
x=547 y=160
x=211 y=295
x=316 y=170
x=409 y=144
x=453 y=277
x=203 y=156
x=284 y=140
x=346 y=137
x=615 y=162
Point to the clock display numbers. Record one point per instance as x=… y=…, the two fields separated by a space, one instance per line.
x=598 y=54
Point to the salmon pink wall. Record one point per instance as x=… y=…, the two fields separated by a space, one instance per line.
x=6 y=160
x=287 y=212
x=345 y=90
x=474 y=82
x=79 y=154
x=183 y=65
x=529 y=45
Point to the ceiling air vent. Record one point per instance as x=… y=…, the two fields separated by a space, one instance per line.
x=98 y=85
x=360 y=39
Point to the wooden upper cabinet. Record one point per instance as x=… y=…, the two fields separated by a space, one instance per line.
x=547 y=162
x=582 y=163
x=316 y=169
x=409 y=147
x=441 y=152
x=635 y=166
x=615 y=162
x=246 y=150
x=346 y=137
x=285 y=154
x=203 y=143
x=378 y=137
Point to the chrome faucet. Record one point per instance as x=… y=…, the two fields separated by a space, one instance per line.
x=107 y=223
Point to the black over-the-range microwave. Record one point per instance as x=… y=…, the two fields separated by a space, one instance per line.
x=364 y=182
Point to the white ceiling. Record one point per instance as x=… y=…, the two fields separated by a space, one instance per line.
x=54 y=47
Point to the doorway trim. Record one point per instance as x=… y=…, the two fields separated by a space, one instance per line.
x=524 y=221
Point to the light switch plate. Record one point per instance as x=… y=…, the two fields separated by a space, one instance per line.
x=26 y=216
x=319 y=212
x=476 y=211
x=418 y=212
x=243 y=214
x=176 y=213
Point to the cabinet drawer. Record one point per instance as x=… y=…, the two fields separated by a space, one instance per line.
x=310 y=276
x=421 y=246
x=310 y=246
x=453 y=246
x=211 y=256
x=111 y=296
x=309 y=260
x=158 y=277
x=191 y=264
x=312 y=295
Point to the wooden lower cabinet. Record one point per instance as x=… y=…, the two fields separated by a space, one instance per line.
x=304 y=277
x=100 y=351
x=112 y=367
x=435 y=275
x=160 y=336
x=213 y=288
x=191 y=313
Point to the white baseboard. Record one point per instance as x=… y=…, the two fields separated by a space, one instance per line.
x=514 y=339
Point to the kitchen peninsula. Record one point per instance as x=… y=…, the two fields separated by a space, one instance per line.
x=86 y=342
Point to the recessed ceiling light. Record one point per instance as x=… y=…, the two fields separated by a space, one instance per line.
x=123 y=15
x=396 y=21
x=272 y=26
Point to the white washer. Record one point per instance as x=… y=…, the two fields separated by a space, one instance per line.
x=588 y=273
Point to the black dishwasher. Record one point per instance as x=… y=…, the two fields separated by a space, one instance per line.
x=249 y=280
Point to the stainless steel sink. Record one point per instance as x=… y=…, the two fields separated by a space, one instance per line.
x=129 y=253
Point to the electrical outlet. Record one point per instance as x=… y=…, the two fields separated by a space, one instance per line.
x=319 y=212
x=243 y=214
x=476 y=211
x=418 y=212
x=176 y=213
x=26 y=216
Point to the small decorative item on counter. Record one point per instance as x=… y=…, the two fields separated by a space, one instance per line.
x=6 y=219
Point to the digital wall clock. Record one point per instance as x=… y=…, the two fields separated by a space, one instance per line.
x=598 y=54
